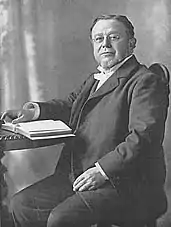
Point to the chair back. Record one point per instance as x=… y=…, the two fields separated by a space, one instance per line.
x=161 y=70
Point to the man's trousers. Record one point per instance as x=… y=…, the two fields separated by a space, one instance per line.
x=54 y=204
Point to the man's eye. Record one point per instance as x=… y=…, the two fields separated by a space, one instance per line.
x=99 y=39
x=114 y=37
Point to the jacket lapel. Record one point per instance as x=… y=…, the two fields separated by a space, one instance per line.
x=126 y=70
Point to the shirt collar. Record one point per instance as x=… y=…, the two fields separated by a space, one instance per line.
x=107 y=73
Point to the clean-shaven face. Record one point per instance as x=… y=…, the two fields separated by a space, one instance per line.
x=110 y=42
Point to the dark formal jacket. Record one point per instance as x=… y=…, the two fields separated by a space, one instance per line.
x=121 y=126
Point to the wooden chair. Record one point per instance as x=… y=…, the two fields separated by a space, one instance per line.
x=158 y=69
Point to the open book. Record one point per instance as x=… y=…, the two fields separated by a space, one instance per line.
x=43 y=129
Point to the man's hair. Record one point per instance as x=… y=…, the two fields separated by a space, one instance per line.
x=120 y=18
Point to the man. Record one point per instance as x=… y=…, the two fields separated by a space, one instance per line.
x=114 y=169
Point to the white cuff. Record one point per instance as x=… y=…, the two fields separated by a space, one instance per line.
x=101 y=171
x=35 y=106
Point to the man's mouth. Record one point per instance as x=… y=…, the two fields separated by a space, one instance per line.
x=107 y=53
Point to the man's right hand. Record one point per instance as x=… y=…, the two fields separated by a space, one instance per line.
x=17 y=116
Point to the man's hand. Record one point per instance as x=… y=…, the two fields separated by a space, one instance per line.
x=91 y=179
x=17 y=116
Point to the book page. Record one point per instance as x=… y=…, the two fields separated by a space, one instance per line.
x=9 y=126
x=45 y=125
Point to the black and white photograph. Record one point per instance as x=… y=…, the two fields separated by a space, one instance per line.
x=85 y=117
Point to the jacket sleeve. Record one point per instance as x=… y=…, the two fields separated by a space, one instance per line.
x=147 y=116
x=59 y=108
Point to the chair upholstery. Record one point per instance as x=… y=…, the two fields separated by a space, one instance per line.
x=161 y=70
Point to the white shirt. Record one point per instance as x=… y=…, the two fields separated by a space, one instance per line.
x=104 y=75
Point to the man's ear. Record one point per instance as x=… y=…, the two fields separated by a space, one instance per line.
x=132 y=44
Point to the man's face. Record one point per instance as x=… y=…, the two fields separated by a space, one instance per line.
x=111 y=43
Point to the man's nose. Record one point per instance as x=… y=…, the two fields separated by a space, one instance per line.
x=106 y=42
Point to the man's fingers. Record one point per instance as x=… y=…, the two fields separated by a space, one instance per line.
x=9 y=115
x=3 y=115
x=91 y=188
x=85 y=184
x=78 y=185
x=24 y=116
x=84 y=187
x=18 y=120
x=20 y=117
x=6 y=117
x=80 y=178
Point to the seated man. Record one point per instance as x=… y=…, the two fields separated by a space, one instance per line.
x=114 y=169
